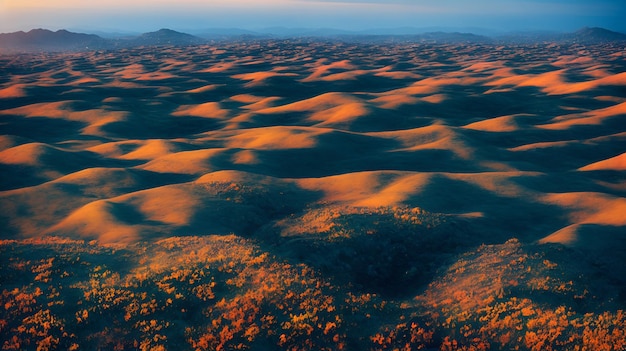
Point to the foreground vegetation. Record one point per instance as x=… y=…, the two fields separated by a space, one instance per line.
x=227 y=293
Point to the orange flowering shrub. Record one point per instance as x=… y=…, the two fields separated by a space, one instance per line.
x=225 y=293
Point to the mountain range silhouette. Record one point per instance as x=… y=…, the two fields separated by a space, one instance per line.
x=44 y=40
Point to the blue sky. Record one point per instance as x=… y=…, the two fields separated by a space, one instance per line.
x=195 y=15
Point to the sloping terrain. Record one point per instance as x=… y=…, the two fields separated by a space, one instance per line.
x=310 y=195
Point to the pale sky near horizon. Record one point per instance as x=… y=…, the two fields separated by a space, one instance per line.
x=196 y=15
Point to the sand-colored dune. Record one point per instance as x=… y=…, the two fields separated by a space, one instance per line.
x=322 y=71
x=138 y=149
x=108 y=182
x=591 y=208
x=207 y=110
x=45 y=157
x=184 y=162
x=554 y=83
x=255 y=103
x=275 y=138
x=430 y=182
x=93 y=119
x=13 y=91
x=339 y=116
x=595 y=117
x=496 y=124
x=259 y=78
x=617 y=163
x=44 y=109
x=9 y=141
x=101 y=220
x=394 y=101
x=471 y=124
x=586 y=212
x=203 y=89
x=152 y=149
x=366 y=189
x=318 y=103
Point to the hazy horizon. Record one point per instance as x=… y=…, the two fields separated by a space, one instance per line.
x=354 y=15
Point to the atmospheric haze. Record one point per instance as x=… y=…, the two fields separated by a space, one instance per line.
x=194 y=15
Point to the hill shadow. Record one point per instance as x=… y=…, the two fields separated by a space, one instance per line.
x=42 y=129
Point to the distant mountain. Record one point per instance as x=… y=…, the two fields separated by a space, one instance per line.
x=431 y=38
x=595 y=34
x=423 y=30
x=584 y=36
x=403 y=34
x=227 y=33
x=38 y=40
x=530 y=37
x=442 y=37
x=108 y=34
x=62 y=40
x=46 y=40
x=304 y=32
x=165 y=37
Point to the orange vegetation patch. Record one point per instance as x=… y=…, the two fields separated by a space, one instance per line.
x=232 y=177
x=480 y=287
